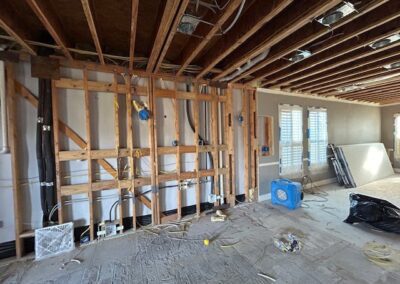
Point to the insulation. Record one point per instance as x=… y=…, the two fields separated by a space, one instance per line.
x=367 y=162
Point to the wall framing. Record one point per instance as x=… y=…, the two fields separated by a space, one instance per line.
x=221 y=144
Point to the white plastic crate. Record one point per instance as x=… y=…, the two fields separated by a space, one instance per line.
x=54 y=240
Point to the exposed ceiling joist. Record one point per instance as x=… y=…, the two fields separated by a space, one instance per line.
x=302 y=38
x=258 y=15
x=369 y=21
x=363 y=79
x=373 y=94
x=340 y=65
x=195 y=46
x=171 y=34
x=381 y=87
x=170 y=10
x=14 y=27
x=132 y=40
x=390 y=101
x=356 y=79
x=302 y=12
x=44 y=12
x=370 y=63
x=92 y=27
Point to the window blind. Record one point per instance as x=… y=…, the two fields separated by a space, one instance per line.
x=290 y=139
x=317 y=137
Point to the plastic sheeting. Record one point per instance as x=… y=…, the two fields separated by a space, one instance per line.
x=379 y=213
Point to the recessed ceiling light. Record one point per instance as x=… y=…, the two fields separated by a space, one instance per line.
x=334 y=15
x=392 y=66
x=300 y=55
x=385 y=42
x=188 y=24
x=350 y=88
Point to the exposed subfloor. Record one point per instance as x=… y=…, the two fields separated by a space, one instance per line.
x=240 y=248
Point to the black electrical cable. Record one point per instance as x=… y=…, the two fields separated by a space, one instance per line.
x=44 y=141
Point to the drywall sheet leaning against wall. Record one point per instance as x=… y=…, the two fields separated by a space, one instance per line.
x=367 y=162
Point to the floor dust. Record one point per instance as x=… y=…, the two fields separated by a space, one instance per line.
x=239 y=249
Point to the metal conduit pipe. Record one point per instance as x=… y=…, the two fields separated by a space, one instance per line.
x=3 y=111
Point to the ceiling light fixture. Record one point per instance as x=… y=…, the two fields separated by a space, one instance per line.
x=299 y=55
x=385 y=42
x=350 y=88
x=337 y=13
x=392 y=66
x=188 y=24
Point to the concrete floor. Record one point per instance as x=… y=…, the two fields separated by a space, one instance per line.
x=240 y=248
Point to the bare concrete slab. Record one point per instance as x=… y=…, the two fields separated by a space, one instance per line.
x=240 y=248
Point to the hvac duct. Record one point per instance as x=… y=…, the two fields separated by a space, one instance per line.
x=3 y=110
x=246 y=66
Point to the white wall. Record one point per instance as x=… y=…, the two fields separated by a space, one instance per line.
x=71 y=106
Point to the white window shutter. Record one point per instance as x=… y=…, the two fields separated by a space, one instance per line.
x=290 y=140
x=317 y=137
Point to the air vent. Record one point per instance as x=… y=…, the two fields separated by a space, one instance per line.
x=188 y=24
x=300 y=55
x=336 y=14
x=385 y=42
x=392 y=66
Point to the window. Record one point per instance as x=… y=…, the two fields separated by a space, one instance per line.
x=317 y=137
x=397 y=136
x=290 y=140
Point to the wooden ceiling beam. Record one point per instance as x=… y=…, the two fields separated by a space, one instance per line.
x=357 y=67
x=248 y=24
x=92 y=27
x=344 y=64
x=371 y=86
x=383 y=97
x=361 y=79
x=15 y=28
x=171 y=34
x=391 y=101
x=195 y=46
x=303 y=37
x=170 y=10
x=348 y=52
x=371 y=94
x=350 y=37
x=368 y=91
x=132 y=40
x=50 y=21
x=301 y=12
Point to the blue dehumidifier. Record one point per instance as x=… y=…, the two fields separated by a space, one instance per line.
x=286 y=193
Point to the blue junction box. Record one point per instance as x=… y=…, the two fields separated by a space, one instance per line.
x=286 y=193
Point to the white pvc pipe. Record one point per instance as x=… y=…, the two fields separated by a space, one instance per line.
x=3 y=110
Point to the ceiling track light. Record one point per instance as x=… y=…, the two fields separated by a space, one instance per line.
x=300 y=55
x=342 y=10
x=385 y=41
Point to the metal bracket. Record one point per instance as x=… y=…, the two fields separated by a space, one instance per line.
x=46 y=127
x=40 y=119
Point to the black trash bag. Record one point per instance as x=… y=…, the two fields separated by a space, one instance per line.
x=376 y=212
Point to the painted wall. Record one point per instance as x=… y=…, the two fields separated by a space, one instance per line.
x=71 y=108
x=347 y=124
x=387 y=126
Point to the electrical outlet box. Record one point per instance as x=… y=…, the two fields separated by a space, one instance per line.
x=108 y=229
x=213 y=198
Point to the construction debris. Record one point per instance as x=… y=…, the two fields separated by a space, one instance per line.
x=287 y=242
x=218 y=216
x=382 y=255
